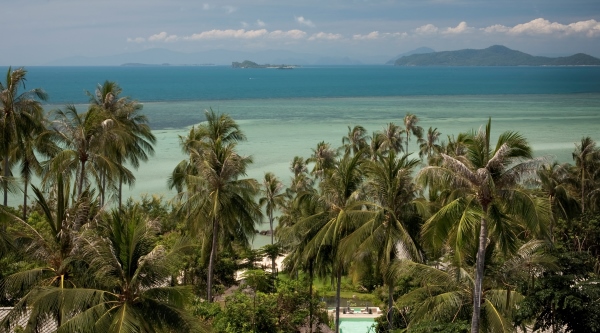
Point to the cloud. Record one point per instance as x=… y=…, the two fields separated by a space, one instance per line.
x=372 y=35
x=302 y=20
x=428 y=29
x=462 y=27
x=260 y=23
x=325 y=36
x=291 y=34
x=207 y=6
x=162 y=37
x=541 y=26
x=227 y=34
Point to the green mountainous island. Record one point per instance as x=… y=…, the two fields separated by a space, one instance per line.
x=496 y=55
x=250 y=64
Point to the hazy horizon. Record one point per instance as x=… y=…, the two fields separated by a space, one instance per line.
x=367 y=31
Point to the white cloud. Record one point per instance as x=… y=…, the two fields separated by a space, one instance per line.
x=496 y=28
x=462 y=27
x=325 y=36
x=427 y=29
x=541 y=26
x=302 y=20
x=207 y=6
x=162 y=37
x=293 y=34
x=227 y=34
x=260 y=23
x=369 y=36
x=244 y=24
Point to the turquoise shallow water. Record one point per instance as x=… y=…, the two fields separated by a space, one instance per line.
x=286 y=113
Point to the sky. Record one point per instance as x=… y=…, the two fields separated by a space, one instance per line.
x=35 y=32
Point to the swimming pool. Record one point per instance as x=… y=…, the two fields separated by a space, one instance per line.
x=357 y=325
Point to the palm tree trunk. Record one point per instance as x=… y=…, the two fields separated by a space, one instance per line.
x=272 y=241
x=81 y=179
x=310 y=309
x=211 y=263
x=5 y=180
x=390 y=315
x=479 y=266
x=337 y=300
x=25 y=199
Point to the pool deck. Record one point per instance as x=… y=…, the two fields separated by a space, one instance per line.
x=376 y=313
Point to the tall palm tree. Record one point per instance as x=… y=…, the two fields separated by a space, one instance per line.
x=33 y=147
x=391 y=139
x=131 y=271
x=343 y=213
x=587 y=160
x=222 y=201
x=21 y=115
x=137 y=143
x=356 y=140
x=273 y=198
x=411 y=127
x=323 y=157
x=391 y=234
x=555 y=180
x=428 y=146
x=483 y=195
x=81 y=137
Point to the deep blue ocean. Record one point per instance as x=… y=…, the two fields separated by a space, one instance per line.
x=169 y=83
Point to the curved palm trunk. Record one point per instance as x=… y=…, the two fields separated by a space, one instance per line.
x=81 y=178
x=479 y=266
x=272 y=241
x=26 y=185
x=211 y=263
x=5 y=180
x=337 y=300
x=390 y=315
x=310 y=309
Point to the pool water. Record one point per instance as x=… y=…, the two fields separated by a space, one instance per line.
x=357 y=325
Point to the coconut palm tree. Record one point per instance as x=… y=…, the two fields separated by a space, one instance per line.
x=21 y=115
x=323 y=157
x=428 y=146
x=137 y=143
x=391 y=234
x=273 y=198
x=556 y=181
x=342 y=214
x=411 y=127
x=483 y=195
x=391 y=139
x=356 y=140
x=30 y=165
x=221 y=202
x=131 y=289
x=81 y=137
x=444 y=296
x=587 y=161
x=55 y=246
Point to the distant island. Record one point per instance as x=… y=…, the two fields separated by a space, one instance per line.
x=496 y=55
x=251 y=64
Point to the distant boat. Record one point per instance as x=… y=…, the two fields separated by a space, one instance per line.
x=286 y=67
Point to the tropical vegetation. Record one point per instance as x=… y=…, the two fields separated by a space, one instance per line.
x=471 y=233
